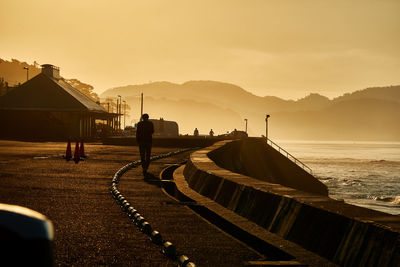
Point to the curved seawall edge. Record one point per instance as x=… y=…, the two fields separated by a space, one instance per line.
x=345 y=234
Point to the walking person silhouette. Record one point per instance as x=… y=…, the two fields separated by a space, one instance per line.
x=144 y=132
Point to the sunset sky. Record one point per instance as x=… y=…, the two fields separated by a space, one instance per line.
x=283 y=48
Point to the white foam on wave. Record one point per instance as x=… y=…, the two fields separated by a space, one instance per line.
x=396 y=200
x=365 y=175
x=392 y=200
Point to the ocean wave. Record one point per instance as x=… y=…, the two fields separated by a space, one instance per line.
x=369 y=176
x=392 y=200
x=325 y=178
x=350 y=182
x=352 y=161
x=383 y=162
x=396 y=200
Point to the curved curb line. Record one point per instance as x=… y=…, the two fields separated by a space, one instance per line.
x=168 y=249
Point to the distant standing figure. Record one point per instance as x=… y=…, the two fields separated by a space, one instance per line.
x=144 y=132
x=211 y=132
x=196 y=132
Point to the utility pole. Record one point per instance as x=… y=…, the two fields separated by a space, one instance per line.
x=266 y=126
x=141 y=106
x=124 y=112
x=246 y=124
x=27 y=72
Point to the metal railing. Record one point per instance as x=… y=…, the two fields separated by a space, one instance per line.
x=289 y=156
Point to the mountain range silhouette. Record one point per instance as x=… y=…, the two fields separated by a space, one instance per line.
x=370 y=114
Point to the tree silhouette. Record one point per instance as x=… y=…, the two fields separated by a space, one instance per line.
x=85 y=88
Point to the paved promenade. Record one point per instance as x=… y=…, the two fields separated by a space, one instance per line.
x=90 y=229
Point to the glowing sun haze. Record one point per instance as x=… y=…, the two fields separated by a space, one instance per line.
x=282 y=48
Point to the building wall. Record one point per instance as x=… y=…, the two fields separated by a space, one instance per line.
x=47 y=125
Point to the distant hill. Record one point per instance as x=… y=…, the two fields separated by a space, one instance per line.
x=194 y=114
x=390 y=93
x=369 y=114
x=217 y=93
x=312 y=102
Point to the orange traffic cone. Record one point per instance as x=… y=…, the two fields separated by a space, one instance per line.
x=76 y=153
x=68 y=153
x=82 y=150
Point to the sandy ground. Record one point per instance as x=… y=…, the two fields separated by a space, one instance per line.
x=90 y=229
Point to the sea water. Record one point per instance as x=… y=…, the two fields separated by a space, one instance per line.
x=365 y=174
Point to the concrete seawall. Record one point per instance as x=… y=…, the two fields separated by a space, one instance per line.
x=343 y=233
x=255 y=158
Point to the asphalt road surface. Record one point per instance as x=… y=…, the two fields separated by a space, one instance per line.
x=90 y=228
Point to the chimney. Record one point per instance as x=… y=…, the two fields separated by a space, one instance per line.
x=51 y=71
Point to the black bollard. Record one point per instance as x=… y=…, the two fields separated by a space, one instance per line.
x=169 y=250
x=183 y=260
x=146 y=228
x=140 y=221
x=156 y=237
x=136 y=217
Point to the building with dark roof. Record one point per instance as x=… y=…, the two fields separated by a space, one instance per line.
x=47 y=107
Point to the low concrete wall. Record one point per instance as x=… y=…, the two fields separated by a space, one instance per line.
x=255 y=158
x=345 y=234
x=181 y=142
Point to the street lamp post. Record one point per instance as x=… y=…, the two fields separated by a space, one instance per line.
x=141 y=106
x=246 y=124
x=119 y=112
x=266 y=126
x=116 y=120
x=124 y=112
x=27 y=72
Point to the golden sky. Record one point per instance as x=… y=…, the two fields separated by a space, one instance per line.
x=283 y=48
